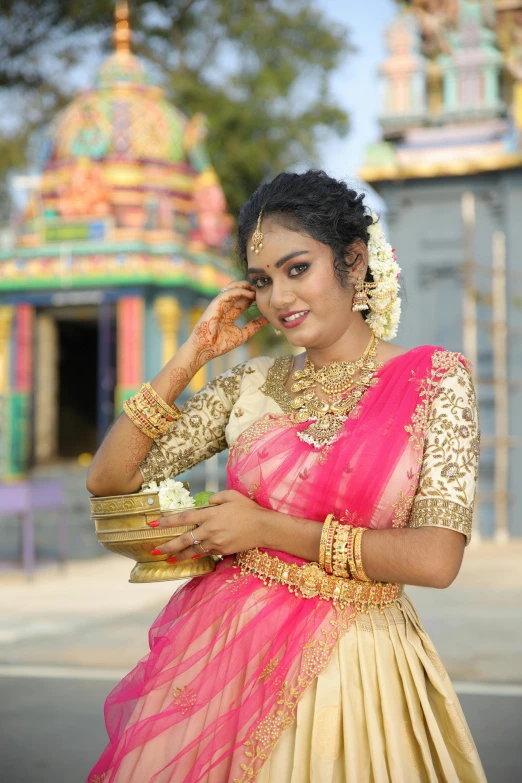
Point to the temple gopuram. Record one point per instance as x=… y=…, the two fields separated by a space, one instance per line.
x=121 y=246
x=449 y=168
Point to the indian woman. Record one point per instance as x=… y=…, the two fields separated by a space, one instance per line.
x=351 y=473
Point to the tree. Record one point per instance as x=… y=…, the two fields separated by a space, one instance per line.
x=258 y=69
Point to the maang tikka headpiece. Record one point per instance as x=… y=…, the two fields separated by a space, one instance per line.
x=257 y=236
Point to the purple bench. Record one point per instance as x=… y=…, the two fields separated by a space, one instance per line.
x=23 y=498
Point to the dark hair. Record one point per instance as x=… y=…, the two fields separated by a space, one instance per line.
x=323 y=207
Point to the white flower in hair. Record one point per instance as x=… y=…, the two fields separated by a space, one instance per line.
x=385 y=270
x=171 y=494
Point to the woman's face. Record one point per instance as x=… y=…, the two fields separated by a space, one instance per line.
x=293 y=275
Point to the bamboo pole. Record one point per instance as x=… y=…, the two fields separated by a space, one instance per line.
x=500 y=386
x=469 y=313
x=469 y=304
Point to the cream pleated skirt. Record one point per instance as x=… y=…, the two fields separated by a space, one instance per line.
x=383 y=711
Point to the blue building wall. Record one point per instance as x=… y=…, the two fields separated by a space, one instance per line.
x=425 y=226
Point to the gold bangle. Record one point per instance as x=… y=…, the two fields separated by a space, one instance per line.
x=330 y=535
x=360 y=573
x=150 y=413
x=322 y=542
x=171 y=412
x=139 y=420
x=350 y=560
x=339 y=551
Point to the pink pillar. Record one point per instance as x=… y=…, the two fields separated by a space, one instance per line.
x=23 y=364
x=131 y=328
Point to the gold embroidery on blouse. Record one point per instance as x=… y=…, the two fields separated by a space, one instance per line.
x=274 y=384
x=436 y=512
x=316 y=655
x=269 y=669
x=445 y=427
x=239 y=412
x=200 y=432
x=452 y=446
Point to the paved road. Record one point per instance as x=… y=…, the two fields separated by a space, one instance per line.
x=52 y=730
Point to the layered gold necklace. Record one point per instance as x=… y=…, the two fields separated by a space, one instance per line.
x=336 y=380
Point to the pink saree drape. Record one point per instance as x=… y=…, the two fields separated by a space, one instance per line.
x=229 y=656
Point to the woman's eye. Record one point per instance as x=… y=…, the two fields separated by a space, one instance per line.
x=260 y=280
x=300 y=269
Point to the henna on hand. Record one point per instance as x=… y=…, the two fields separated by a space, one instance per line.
x=220 y=334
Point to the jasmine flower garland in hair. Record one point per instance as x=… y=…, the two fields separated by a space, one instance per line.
x=385 y=270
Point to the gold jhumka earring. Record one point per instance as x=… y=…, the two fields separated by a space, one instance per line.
x=368 y=297
x=257 y=236
x=360 y=298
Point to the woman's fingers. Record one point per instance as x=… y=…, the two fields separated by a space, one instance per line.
x=225 y=496
x=254 y=326
x=181 y=547
x=182 y=519
x=235 y=284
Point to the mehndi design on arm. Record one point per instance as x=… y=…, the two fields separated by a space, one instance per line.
x=139 y=447
x=178 y=380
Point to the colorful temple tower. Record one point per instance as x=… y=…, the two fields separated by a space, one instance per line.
x=121 y=245
x=449 y=168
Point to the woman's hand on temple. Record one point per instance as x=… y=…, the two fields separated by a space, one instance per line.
x=232 y=526
x=216 y=332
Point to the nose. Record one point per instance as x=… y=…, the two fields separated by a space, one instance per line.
x=281 y=295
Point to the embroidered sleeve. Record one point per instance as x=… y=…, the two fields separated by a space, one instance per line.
x=449 y=470
x=200 y=432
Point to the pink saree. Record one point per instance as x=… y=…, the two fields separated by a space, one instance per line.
x=230 y=657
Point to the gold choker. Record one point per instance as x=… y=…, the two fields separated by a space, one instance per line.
x=336 y=380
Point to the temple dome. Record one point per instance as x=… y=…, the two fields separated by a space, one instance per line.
x=122 y=162
x=124 y=116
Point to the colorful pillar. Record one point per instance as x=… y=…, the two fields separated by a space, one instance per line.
x=131 y=328
x=168 y=313
x=16 y=365
x=6 y=324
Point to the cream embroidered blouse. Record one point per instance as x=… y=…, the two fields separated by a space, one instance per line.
x=213 y=419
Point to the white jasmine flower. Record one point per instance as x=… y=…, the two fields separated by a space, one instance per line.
x=171 y=494
x=385 y=271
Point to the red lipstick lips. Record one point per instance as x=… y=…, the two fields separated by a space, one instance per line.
x=295 y=321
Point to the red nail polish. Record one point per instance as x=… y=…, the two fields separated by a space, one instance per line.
x=154 y=523
x=156 y=552
x=195 y=557
x=172 y=559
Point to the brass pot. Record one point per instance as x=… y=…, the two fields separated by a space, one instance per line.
x=121 y=527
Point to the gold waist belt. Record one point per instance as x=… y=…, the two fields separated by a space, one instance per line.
x=310 y=581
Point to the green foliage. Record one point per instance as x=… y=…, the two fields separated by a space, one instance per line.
x=258 y=70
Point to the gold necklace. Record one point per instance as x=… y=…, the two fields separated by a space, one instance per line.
x=328 y=417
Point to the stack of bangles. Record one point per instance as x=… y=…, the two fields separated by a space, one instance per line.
x=340 y=550
x=150 y=413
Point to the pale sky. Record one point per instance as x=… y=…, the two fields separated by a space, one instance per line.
x=355 y=84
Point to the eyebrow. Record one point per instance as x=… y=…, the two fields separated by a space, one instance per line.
x=281 y=261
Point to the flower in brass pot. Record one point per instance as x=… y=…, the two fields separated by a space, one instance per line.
x=171 y=494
